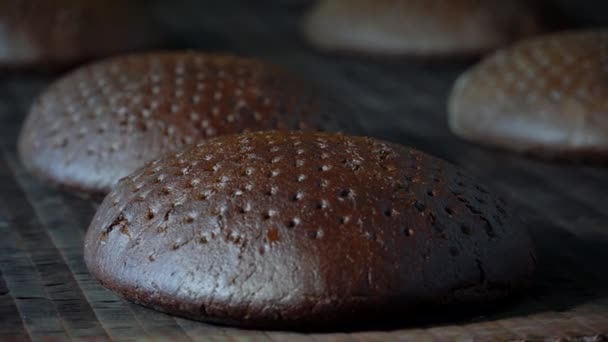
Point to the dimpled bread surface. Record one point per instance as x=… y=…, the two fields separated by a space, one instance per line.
x=299 y=229
x=544 y=95
x=104 y=120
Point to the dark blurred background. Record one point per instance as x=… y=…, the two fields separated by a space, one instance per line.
x=184 y=17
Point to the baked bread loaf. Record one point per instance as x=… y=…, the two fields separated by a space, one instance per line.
x=103 y=121
x=303 y=229
x=544 y=96
x=50 y=34
x=422 y=28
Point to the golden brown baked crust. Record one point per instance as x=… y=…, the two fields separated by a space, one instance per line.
x=288 y=229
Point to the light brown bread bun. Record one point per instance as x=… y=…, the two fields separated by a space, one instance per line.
x=544 y=96
x=419 y=27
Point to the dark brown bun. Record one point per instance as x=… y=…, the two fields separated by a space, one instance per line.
x=297 y=229
x=105 y=120
x=433 y=28
x=544 y=96
x=49 y=34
